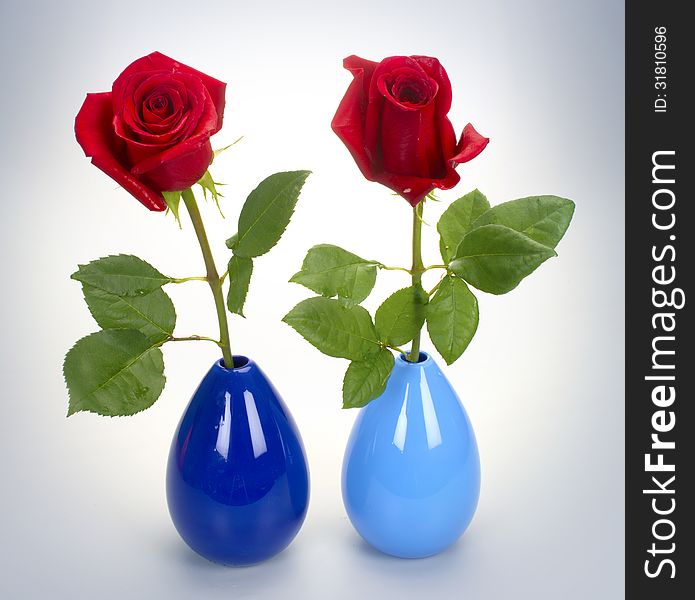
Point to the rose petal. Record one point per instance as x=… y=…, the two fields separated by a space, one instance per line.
x=182 y=171
x=348 y=122
x=470 y=145
x=393 y=119
x=132 y=90
x=146 y=151
x=407 y=137
x=372 y=115
x=200 y=137
x=387 y=81
x=154 y=137
x=436 y=71
x=172 y=122
x=414 y=189
x=161 y=119
x=94 y=132
x=410 y=142
x=139 y=89
x=158 y=61
x=141 y=143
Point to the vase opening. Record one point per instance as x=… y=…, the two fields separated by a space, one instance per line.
x=423 y=357
x=239 y=362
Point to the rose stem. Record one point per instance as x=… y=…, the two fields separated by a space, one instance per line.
x=416 y=272
x=212 y=276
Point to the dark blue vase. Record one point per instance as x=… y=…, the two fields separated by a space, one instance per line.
x=237 y=478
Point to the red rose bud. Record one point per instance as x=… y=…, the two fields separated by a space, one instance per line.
x=393 y=121
x=151 y=132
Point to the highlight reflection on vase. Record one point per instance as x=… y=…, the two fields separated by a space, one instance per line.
x=411 y=473
x=237 y=478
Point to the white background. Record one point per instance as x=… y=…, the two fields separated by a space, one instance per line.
x=82 y=505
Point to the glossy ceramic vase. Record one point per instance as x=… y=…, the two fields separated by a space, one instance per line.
x=411 y=473
x=237 y=478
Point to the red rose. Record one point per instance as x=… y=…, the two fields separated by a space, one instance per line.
x=151 y=132
x=393 y=120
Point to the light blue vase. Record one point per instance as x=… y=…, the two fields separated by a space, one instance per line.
x=411 y=473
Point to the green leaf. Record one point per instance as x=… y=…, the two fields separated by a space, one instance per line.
x=542 y=218
x=173 y=199
x=152 y=314
x=331 y=271
x=231 y=242
x=495 y=258
x=114 y=372
x=456 y=221
x=123 y=275
x=366 y=379
x=240 y=270
x=452 y=318
x=335 y=329
x=401 y=316
x=267 y=212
